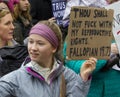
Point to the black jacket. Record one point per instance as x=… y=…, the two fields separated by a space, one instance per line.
x=21 y=31
x=11 y=58
x=41 y=10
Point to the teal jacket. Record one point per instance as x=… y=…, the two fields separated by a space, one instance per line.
x=104 y=84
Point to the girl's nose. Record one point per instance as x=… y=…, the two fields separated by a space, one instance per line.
x=33 y=46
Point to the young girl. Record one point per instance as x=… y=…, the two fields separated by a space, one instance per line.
x=44 y=75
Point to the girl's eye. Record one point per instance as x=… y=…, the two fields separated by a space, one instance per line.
x=40 y=43
x=30 y=41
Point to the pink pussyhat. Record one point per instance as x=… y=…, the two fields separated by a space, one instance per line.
x=10 y=3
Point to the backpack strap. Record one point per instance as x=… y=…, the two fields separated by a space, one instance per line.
x=62 y=86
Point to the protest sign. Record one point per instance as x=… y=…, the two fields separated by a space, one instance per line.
x=116 y=22
x=89 y=33
x=58 y=8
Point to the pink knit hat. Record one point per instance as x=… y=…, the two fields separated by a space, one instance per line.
x=10 y=3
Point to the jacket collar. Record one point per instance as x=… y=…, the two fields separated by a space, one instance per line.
x=55 y=73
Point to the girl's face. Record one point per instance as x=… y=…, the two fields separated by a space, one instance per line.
x=24 y=4
x=40 y=49
x=6 y=27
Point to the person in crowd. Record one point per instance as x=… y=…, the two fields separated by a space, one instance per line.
x=41 y=10
x=87 y=3
x=22 y=20
x=52 y=10
x=44 y=73
x=10 y=3
x=105 y=82
x=12 y=54
x=105 y=79
x=6 y=26
x=48 y=10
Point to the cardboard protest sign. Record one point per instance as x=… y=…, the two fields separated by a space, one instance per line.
x=89 y=33
x=116 y=22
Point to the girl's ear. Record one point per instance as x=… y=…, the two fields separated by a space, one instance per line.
x=54 y=49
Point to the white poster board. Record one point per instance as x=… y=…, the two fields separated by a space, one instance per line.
x=116 y=22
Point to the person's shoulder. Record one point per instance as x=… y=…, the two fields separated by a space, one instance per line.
x=14 y=75
x=16 y=78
